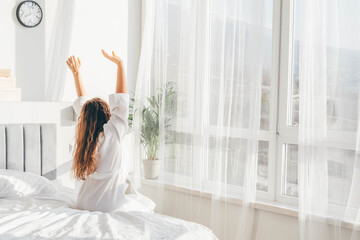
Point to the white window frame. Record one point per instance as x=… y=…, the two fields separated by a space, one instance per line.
x=285 y=133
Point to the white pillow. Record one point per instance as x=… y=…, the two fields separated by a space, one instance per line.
x=18 y=184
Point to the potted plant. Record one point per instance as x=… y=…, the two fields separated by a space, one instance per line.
x=149 y=135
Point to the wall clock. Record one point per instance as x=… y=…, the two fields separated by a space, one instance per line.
x=29 y=14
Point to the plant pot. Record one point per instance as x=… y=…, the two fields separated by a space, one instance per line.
x=151 y=168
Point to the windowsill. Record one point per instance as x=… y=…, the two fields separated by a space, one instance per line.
x=269 y=206
x=263 y=205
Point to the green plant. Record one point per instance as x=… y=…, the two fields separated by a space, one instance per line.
x=131 y=110
x=150 y=113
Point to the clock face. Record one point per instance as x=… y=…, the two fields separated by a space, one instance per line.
x=29 y=14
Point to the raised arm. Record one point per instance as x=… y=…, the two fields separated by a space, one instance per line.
x=121 y=79
x=74 y=65
x=119 y=102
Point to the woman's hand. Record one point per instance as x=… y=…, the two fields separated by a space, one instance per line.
x=115 y=59
x=121 y=79
x=73 y=64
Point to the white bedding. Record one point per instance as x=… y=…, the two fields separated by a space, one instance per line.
x=51 y=217
x=18 y=184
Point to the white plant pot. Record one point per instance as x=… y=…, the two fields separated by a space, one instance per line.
x=151 y=168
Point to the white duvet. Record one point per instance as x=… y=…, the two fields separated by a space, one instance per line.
x=51 y=217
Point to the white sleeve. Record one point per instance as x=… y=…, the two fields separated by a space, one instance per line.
x=78 y=104
x=119 y=109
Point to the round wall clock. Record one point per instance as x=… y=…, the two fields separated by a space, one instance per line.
x=29 y=14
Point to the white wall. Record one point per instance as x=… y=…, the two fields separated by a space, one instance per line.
x=22 y=50
x=98 y=25
x=7 y=34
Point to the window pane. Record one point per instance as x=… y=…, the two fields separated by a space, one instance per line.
x=340 y=170
x=291 y=170
x=232 y=69
x=183 y=157
x=180 y=45
x=343 y=67
x=233 y=163
x=185 y=151
x=262 y=171
x=180 y=65
x=178 y=153
x=340 y=163
x=294 y=83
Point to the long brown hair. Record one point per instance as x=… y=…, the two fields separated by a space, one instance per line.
x=94 y=114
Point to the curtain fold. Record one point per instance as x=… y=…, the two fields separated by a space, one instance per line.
x=328 y=119
x=203 y=78
x=59 y=47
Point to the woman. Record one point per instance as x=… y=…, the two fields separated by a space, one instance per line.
x=97 y=157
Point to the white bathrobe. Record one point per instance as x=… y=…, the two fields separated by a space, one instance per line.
x=109 y=189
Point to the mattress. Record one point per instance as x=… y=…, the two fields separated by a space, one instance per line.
x=52 y=217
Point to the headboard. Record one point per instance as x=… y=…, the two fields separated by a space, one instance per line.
x=29 y=148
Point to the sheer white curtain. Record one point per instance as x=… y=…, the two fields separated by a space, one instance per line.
x=204 y=69
x=329 y=180
x=58 y=51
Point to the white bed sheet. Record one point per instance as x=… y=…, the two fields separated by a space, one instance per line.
x=52 y=217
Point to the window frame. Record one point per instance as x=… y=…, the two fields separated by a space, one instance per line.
x=279 y=132
x=269 y=135
x=285 y=134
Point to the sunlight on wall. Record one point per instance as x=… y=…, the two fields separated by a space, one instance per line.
x=98 y=26
x=7 y=39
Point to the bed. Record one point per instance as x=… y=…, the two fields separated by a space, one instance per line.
x=33 y=205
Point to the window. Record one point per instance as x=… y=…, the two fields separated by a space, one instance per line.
x=182 y=143
x=342 y=63
x=277 y=176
